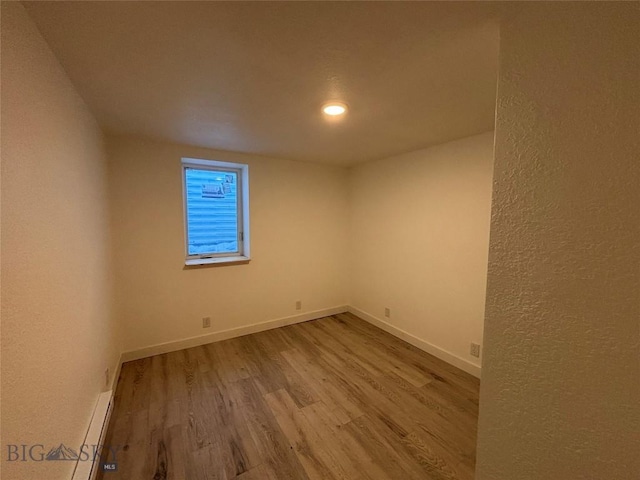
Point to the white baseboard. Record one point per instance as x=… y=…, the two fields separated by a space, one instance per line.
x=88 y=468
x=173 y=346
x=116 y=374
x=226 y=334
x=448 y=357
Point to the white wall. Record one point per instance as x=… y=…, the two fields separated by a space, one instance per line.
x=410 y=232
x=560 y=391
x=299 y=217
x=419 y=243
x=57 y=330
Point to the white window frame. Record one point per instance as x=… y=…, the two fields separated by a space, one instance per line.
x=242 y=170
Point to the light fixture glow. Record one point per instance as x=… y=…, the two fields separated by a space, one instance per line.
x=334 y=109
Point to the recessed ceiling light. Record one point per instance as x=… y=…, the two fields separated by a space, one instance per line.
x=334 y=109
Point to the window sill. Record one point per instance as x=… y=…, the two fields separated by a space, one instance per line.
x=216 y=261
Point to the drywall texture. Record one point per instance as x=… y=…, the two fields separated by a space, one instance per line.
x=57 y=333
x=298 y=217
x=419 y=241
x=561 y=376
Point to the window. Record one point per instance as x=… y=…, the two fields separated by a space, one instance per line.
x=216 y=211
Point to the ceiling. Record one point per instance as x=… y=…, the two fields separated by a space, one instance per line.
x=252 y=76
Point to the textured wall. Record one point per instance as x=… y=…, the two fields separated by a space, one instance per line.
x=57 y=332
x=419 y=242
x=561 y=372
x=298 y=217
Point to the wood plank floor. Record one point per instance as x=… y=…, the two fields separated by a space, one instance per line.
x=335 y=398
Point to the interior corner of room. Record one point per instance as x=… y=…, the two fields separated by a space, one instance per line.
x=473 y=214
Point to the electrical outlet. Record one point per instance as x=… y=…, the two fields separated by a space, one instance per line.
x=299 y=305
x=475 y=350
x=387 y=312
x=107 y=377
x=206 y=322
